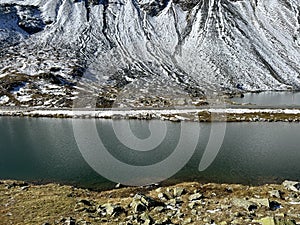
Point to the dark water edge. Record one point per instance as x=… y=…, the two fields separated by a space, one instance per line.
x=44 y=150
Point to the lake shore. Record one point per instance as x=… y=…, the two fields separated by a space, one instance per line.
x=183 y=203
x=237 y=113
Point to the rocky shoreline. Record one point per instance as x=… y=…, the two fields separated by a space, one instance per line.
x=230 y=114
x=183 y=203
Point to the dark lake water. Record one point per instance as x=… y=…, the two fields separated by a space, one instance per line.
x=61 y=150
x=271 y=98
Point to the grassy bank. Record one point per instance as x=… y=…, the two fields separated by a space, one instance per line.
x=184 y=203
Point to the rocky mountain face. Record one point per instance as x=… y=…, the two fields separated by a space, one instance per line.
x=145 y=52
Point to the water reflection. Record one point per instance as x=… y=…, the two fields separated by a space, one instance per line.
x=45 y=150
x=271 y=98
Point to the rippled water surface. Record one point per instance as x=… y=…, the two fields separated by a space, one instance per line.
x=45 y=150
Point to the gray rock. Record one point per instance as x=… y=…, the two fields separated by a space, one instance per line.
x=138 y=206
x=109 y=209
x=147 y=201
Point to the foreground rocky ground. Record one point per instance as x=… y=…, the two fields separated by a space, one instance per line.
x=184 y=203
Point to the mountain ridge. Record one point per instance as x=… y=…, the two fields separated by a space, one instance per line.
x=200 y=47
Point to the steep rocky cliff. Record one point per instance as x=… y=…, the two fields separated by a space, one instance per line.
x=51 y=49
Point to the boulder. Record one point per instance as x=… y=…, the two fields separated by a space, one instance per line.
x=291 y=185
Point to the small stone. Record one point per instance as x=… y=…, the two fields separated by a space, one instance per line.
x=291 y=185
x=275 y=193
x=158 y=190
x=85 y=202
x=163 y=196
x=147 y=201
x=24 y=188
x=178 y=191
x=70 y=221
x=159 y=209
x=110 y=210
x=191 y=205
x=194 y=197
x=118 y=185
x=229 y=189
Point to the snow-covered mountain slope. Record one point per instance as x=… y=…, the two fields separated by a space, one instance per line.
x=196 y=45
